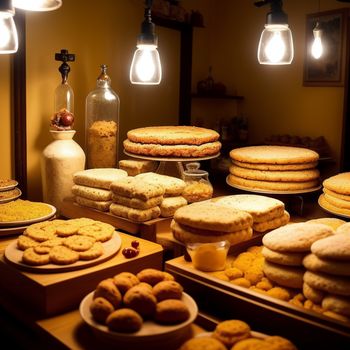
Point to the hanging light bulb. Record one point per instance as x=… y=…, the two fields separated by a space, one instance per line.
x=276 y=41
x=8 y=31
x=37 y=5
x=317 y=46
x=145 y=67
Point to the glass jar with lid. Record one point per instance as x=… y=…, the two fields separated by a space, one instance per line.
x=102 y=124
x=198 y=187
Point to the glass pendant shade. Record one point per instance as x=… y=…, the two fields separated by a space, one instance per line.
x=317 y=46
x=37 y=5
x=8 y=33
x=145 y=67
x=276 y=45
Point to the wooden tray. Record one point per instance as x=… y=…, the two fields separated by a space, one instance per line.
x=147 y=230
x=225 y=300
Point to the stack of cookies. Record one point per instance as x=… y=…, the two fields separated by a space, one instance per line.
x=336 y=194
x=274 y=168
x=285 y=248
x=173 y=188
x=327 y=280
x=268 y=213
x=136 y=199
x=207 y=222
x=91 y=187
x=173 y=141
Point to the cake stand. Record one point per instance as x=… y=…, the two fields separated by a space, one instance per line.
x=164 y=162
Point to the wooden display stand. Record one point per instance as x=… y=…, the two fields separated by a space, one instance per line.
x=147 y=230
x=51 y=293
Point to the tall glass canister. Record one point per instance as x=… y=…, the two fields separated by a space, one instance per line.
x=102 y=124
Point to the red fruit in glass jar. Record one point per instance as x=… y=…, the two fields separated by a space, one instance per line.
x=67 y=119
x=135 y=244
x=130 y=252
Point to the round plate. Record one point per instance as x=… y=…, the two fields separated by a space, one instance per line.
x=9 y=187
x=150 y=330
x=111 y=247
x=30 y=221
x=5 y=200
x=171 y=159
x=257 y=190
x=335 y=212
x=7 y=231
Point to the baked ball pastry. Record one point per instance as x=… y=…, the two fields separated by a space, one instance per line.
x=141 y=300
x=151 y=276
x=171 y=311
x=231 y=331
x=167 y=290
x=107 y=289
x=100 y=309
x=203 y=343
x=122 y=283
x=252 y=344
x=133 y=279
x=279 y=343
x=124 y=320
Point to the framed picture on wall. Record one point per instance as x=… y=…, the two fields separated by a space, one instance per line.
x=328 y=69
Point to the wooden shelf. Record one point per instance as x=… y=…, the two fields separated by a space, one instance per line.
x=222 y=97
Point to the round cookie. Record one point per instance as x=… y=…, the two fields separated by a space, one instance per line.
x=38 y=234
x=337 y=202
x=337 y=304
x=331 y=284
x=61 y=255
x=107 y=289
x=286 y=276
x=339 y=183
x=66 y=230
x=53 y=242
x=124 y=320
x=25 y=242
x=100 y=309
x=323 y=202
x=313 y=294
x=283 y=167
x=333 y=267
x=336 y=195
x=289 y=259
x=167 y=290
x=30 y=257
x=274 y=155
x=171 y=311
x=79 y=243
x=207 y=343
x=42 y=249
x=343 y=229
x=335 y=247
x=296 y=237
x=93 y=253
x=333 y=223
x=231 y=331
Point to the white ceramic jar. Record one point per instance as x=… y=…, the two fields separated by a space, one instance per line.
x=60 y=160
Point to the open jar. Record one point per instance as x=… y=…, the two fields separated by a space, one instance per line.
x=198 y=187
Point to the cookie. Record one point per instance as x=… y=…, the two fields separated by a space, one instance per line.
x=274 y=155
x=334 y=223
x=66 y=230
x=92 y=253
x=124 y=320
x=98 y=205
x=336 y=195
x=79 y=243
x=323 y=202
x=289 y=259
x=100 y=231
x=135 y=167
x=231 y=331
x=208 y=343
x=296 y=237
x=137 y=203
x=107 y=289
x=171 y=311
x=343 y=229
x=313 y=294
x=274 y=167
x=333 y=267
x=137 y=215
x=53 y=242
x=30 y=257
x=39 y=234
x=80 y=222
x=335 y=247
x=41 y=249
x=339 y=183
x=169 y=205
x=95 y=194
x=62 y=255
x=210 y=216
x=100 y=309
x=337 y=202
x=272 y=224
x=337 y=304
x=286 y=276
x=25 y=242
x=328 y=283
x=167 y=290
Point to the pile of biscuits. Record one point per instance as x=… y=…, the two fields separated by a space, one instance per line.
x=327 y=279
x=92 y=187
x=274 y=168
x=134 y=167
x=236 y=335
x=173 y=141
x=285 y=248
x=336 y=194
x=63 y=242
x=205 y=222
x=124 y=301
x=268 y=213
x=173 y=189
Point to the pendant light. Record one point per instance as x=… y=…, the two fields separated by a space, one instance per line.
x=145 y=67
x=8 y=31
x=317 y=45
x=37 y=5
x=276 y=42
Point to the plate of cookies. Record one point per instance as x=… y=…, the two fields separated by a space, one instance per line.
x=7 y=184
x=63 y=245
x=139 y=309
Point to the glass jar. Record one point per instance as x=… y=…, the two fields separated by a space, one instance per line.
x=102 y=124
x=198 y=187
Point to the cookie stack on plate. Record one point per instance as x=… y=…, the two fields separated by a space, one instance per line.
x=205 y=222
x=274 y=168
x=91 y=187
x=336 y=194
x=135 y=199
x=173 y=141
x=285 y=248
x=327 y=280
x=268 y=213
x=173 y=188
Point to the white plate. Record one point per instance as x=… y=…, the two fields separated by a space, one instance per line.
x=10 y=187
x=5 y=200
x=335 y=212
x=111 y=247
x=30 y=221
x=150 y=330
